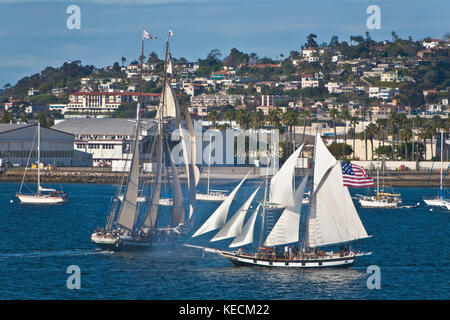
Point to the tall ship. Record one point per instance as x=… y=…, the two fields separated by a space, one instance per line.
x=331 y=220
x=134 y=222
x=41 y=195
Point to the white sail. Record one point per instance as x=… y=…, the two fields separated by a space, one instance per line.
x=127 y=213
x=286 y=230
x=170 y=107
x=333 y=217
x=246 y=236
x=170 y=65
x=42 y=189
x=281 y=184
x=234 y=226
x=219 y=217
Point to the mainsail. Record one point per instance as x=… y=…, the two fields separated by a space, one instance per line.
x=286 y=230
x=219 y=217
x=234 y=226
x=281 y=184
x=178 y=207
x=332 y=218
x=128 y=212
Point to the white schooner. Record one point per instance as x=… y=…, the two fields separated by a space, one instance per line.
x=331 y=219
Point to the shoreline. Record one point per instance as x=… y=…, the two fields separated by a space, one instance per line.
x=219 y=175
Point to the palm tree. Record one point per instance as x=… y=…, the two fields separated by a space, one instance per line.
x=242 y=118
x=123 y=60
x=289 y=119
x=345 y=115
x=354 y=121
x=304 y=114
x=393 y=121
x=213 y=116
x=229 y=115
x=381 y=126
x=334 y=113
x=406 y=134
x=257 y=119
x=273 y=117
x=371 y=131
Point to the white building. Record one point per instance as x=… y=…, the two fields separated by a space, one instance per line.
x=105 y=102
x=18 y=140
x=108 y=140
x=309 y=81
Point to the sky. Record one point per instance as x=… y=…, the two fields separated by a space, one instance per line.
x=34 y=34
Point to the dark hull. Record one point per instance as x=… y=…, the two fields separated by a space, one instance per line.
x=125 y=247
x=247 y=264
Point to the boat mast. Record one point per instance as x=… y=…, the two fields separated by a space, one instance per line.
x=209 y=162
x=442 y=147
x=39 y=158
x=263 y=214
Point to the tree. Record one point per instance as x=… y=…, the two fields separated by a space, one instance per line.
x=242 y=118
x=257 y=119
x=345 y=115
x=334 y=113
x=310 y=41
x=6 y=118
x=229 y=115
x=123 y=61
x=289 y=119
x=213 y=116
x=406 y=134
x=273 y=117
x=304 y=114
x=354 y=121
x=340 y=150
x=371 y=131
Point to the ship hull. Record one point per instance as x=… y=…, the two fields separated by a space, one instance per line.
x=331 y=262
x=120 y=245
x=378 y=204
x=41 y=199
x=435 y=202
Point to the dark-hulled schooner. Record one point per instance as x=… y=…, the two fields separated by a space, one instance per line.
x=133 y=220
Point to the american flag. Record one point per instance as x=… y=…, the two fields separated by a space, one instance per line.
x=355 y=176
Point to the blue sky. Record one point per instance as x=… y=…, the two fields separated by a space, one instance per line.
x=33 y=33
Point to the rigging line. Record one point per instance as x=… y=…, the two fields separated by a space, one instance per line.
x=28 y=162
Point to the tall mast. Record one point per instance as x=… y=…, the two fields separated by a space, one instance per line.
x=209 y=162
x=39 y=157
x=442 y=147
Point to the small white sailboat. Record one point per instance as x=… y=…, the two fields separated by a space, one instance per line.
x=42 y=195
x=381 y=199
x=440 y=200
x=331 y=219
x=211 y=195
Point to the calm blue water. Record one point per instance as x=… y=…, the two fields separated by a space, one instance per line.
x=38 y=243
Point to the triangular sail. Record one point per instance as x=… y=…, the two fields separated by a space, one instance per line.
x=246 y=236
x=286 y=230
x=189 y=155
x=152 y=209
x=128 y=212
x=333 y=217
x=178 y=207
x=219 y=217
x=281 y=184
x=234 y=226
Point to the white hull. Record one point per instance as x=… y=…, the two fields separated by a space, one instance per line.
x=436 y=202
x=378 y=204
x=40 y=199
x=210 y=197
x=162 y=201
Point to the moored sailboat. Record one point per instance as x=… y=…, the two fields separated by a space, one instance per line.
x=332 y=219
x=42 y=195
